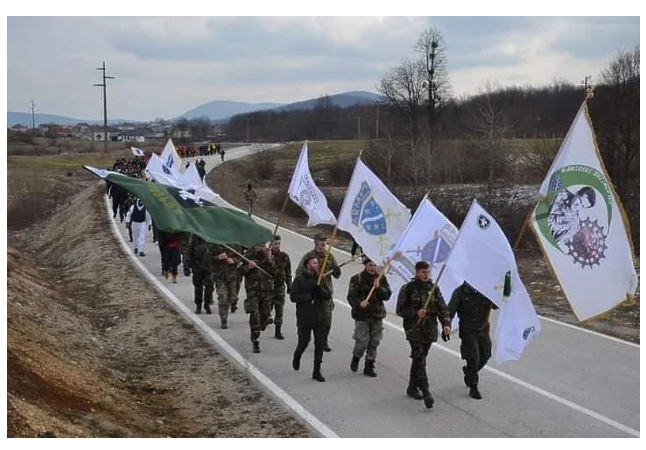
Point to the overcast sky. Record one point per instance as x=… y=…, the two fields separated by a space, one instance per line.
x=166 y=66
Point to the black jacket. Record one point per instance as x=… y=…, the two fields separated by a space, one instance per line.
x=309 y=297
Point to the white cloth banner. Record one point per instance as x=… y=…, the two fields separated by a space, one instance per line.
x=170 y=157
x=372 y=214
x=582 y=228
x=307 y=195
x=483 y=258
x=428 y=237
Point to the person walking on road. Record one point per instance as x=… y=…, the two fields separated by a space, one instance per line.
x=420 y=326
x=311 y=300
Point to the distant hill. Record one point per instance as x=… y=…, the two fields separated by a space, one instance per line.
x=342 y=100
x=14 y=118
x=222 y=109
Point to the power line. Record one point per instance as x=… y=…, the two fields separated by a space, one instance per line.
x=105 y=106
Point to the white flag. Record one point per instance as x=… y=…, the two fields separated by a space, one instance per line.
x=372 y=214
x=483 y=258
x=160 y=172
x=137 y=151
x=305 y=194
x=191 y=178
x=170 y=157
x=428 y=237
x=582 y=227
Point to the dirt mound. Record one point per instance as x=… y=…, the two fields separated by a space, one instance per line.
x=92 y=350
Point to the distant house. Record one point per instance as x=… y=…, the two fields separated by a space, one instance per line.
x=133 y=137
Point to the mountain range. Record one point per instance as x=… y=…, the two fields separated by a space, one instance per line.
x=218 y=110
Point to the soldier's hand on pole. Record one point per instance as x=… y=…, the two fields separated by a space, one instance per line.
x=222 y=256
x=230 y=261
x=421 y=314
x=252 y=264
x=364 y=304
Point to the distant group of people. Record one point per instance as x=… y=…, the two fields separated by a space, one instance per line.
x=134 y=166
x=266 y=271
x=188 y=151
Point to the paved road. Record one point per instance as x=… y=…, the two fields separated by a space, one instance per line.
x=569 y=382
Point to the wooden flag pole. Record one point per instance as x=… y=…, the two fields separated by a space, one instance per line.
x=282 y=213
x=327 y=254
x=329 y=272
x=372 y=289
x=430 y=294
x=244 y=258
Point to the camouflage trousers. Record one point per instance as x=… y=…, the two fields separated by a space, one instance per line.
x=225 y=287
x=327 y=323
x=203 y=287
x=418 y=353
x=278 y=305
x=367 y=335
x=258 y=306
x=475 y=349
x=236 y=289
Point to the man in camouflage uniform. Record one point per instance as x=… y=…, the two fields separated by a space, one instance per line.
x=183 y=251
x=319 y=253
x=224 y=270
x=238 y=282
x=473 y=310
x=368 y=314
x=250 y=197
x=198 y=260
x=282 y=278
x=420 y=326
x=260 y=291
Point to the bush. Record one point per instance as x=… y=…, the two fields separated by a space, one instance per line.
x=263 y=162
x=340 y=172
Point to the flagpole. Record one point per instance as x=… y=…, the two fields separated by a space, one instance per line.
x=336 y=226
x=244 y=258
x=282 y=213
x=341 y=265
x=433 y=289
x=523 y=228
x=327 y=254
x=385 y=269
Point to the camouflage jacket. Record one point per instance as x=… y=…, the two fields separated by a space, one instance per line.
x=473 y=309
x=199 y=253
x=221 y=268
x=283 y=270
x=254 y=280
x=331 y=264
x=411 y=299
x=360 y=286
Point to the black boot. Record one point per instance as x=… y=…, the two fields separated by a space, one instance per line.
x=464 y=370
x=474 y=392
x=369 y=368
x=354 y=364
x=428 y=398
x=316 y=375
x=412 y=391
x=296 y=361
x=326 y=348
x=198 y=308
x=207 y=308
x=256 y=346
x=278 y=335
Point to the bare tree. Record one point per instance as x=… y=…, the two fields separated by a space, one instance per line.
x=263 y=162
x=491 y=124
x=619 y=118
x=403 y=89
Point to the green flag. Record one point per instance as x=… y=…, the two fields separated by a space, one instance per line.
x=175 y=210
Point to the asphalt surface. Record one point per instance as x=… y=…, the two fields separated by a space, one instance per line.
x=569 y=382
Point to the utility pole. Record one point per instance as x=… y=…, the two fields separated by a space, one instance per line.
x=247 y=119
x=105 y=106
x=377 y=124
x=358 y=127
x=33 y=117
x=587 y=86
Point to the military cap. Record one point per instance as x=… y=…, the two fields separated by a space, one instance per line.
x=320 y=237
x=366 y=260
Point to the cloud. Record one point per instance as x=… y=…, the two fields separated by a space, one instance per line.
x=165 y=66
